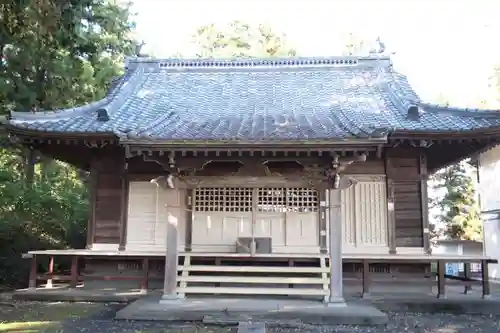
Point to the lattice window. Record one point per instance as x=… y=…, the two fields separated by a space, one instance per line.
x=302 y=200
x=240 y=199
x=271 y=199
x=223 y=199
x=287 y=200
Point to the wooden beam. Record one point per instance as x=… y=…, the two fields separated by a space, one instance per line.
x=424 y=200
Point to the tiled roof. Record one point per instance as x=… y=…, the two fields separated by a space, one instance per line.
x=258 y=99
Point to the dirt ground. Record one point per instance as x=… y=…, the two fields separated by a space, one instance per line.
x=61 y=317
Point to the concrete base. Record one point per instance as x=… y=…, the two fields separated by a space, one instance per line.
x=231 y=311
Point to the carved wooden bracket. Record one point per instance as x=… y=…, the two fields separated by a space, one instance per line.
x=339 y=164
x=169 y=165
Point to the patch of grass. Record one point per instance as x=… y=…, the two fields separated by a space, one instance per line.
x=37 y=317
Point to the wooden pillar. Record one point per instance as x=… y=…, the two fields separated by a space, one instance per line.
x=33 y=272
x=74 y=272
x=425 y=204
x=391 y=217
x=467 y=277
x=50 y=272
x=171 y=258
x=323 y=246
x=366 y=279
x=485 y=278
x=188 y=242
x=92 y=202
x=124 y=211
x=391 y=212
x=145 y=276
x=335 y=223
x=441 y=270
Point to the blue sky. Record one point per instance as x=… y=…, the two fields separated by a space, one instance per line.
x=444 y=46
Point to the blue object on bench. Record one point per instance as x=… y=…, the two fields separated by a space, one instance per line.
x=452 y=268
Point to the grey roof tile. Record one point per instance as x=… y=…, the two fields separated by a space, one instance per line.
x=258 y=99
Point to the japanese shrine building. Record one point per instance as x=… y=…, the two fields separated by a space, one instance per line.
x=320 y=163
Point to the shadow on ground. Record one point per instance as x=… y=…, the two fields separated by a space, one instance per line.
x=61 y=317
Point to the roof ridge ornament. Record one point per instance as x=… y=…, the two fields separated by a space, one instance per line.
x=381 y=49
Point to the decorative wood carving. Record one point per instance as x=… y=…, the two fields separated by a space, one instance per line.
x=255 y=169
x=313 y=172
x=339 y=165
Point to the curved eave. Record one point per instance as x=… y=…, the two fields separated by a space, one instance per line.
x=12 y=129
x=477 y=133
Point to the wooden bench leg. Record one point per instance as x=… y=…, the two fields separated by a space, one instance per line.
x=33 y=273
x=366 y=279
x=291 y=263
x=441 y=269
x=145 y=276
x=218 y=262
x=74 y=272
x=485 y=278
x=50 y=271
x=467 y=276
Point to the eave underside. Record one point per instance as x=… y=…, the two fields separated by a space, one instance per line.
x=442 y=149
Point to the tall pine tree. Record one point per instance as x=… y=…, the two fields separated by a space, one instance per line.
x=460 y=214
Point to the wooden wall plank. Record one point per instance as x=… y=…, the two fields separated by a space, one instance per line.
x=403 y=167
x=107 y=207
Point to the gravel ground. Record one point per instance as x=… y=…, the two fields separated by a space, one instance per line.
x=98 y=318
x=399 y=323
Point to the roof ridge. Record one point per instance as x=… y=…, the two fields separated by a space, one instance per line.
x=132 y=62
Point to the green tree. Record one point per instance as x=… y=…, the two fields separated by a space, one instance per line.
x=53 y=54
x=239 y=39
x=460 y=212
x=455 y=198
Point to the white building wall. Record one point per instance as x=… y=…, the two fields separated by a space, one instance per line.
x=489 y=199
x=222 y=215
x=148 y=210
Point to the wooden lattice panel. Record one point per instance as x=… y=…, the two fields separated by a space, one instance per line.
x=271 y=200
x=302 y=200
x=297 y=200
x=223 y=199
